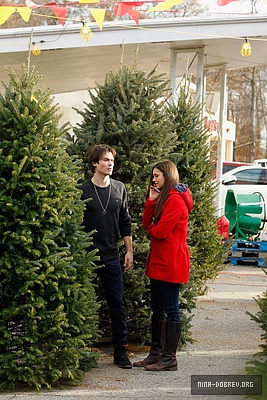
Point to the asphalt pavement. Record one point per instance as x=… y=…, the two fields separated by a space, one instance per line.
x=225 y=339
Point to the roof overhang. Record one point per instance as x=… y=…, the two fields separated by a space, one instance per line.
x=70 y=64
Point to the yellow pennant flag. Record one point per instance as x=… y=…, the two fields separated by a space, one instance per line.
x=99 y=15
x=165 y=5
x=25 y=13
x=5 y=13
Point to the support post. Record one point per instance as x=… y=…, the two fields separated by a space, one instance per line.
x=221 y=144
x=200 y=75
x=173 y=61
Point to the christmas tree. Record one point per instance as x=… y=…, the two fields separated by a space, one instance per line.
x=48 y=309
x=191 y=155
x=258 y=365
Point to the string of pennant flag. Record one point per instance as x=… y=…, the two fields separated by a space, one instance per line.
x=119 y=9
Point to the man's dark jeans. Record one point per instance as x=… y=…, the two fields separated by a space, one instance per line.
x=111 y=278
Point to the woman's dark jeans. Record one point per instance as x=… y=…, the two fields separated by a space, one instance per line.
x=111 y=278
x=164 y=300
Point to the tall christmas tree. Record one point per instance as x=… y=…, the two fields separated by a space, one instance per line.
x=48 y=309
x=191 y=155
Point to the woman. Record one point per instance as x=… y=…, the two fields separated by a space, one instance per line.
x=165 y=219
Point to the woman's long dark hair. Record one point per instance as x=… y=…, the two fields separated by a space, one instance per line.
x=171 y=175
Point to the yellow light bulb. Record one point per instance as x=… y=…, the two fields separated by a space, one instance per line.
x=35 y=50
x=245 y=49
x=85 y=32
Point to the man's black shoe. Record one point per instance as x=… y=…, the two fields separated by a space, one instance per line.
x=120 y=357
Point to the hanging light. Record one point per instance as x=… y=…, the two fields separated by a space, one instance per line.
x=85 y=32
x=246 y=48
x=35 y=49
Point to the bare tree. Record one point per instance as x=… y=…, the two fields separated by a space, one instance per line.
x=246 y=106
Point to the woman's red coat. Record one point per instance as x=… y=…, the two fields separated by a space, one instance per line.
x=168 y=259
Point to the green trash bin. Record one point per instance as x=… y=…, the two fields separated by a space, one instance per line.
x=238 y=210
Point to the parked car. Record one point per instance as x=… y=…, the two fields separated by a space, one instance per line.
x=261 y=161
x=228 y=166
x=246 y=179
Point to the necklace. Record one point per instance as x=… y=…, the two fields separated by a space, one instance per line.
x=104 y=209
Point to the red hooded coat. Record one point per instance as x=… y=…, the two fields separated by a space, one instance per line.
x=168 y=259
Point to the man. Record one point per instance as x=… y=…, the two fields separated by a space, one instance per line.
x=107 y=213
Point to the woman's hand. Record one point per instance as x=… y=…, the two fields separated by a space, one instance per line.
x=153 y=193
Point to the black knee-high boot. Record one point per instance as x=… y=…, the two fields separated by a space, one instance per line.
x=167 y=361
x=157 y=343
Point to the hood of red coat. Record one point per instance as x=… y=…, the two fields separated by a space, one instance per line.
x=185 y=193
